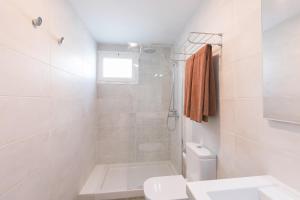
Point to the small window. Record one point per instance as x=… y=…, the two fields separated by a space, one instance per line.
x=118 y=67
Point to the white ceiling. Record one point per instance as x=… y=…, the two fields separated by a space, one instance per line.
x=143 y=21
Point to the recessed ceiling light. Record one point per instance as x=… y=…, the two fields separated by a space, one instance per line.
x=133 y=44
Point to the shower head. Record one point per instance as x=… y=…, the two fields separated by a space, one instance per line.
x=149 y=50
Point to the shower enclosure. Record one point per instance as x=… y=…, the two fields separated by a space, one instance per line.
x=136 y=123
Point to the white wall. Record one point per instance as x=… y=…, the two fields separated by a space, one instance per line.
x=132 y=118
x=249 y=144
x=47 y=101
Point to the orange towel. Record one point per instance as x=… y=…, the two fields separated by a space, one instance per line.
x=188 y=85
x=203 y=92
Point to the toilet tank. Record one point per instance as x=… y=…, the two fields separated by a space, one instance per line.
x=201 y=163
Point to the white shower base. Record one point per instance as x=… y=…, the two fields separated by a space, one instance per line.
x=117 y=181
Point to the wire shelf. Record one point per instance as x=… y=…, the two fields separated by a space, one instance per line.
x=195 y=41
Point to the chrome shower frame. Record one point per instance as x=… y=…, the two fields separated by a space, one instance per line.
x=172 y=112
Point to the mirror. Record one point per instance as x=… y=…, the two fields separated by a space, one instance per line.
x=281 y=60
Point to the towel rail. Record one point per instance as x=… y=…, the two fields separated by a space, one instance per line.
x=194 y=41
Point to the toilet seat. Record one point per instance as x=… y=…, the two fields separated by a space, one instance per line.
x=165 y=188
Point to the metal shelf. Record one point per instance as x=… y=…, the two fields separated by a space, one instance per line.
x=195 y=41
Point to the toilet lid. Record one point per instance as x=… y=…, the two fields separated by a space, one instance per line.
x=165 y=188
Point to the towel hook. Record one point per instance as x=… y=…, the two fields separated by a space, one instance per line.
x=37 y=22
x=60 y=40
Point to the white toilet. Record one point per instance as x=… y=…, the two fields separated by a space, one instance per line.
x=201 y=164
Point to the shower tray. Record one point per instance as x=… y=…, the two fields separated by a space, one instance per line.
x=117 y=181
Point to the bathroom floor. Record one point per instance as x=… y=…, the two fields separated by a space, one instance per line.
x=117 y=181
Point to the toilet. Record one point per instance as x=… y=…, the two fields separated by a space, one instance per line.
x=201 y=164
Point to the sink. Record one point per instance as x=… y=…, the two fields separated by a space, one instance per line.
x=247 y=188
x=263 y=193
x=244 y=194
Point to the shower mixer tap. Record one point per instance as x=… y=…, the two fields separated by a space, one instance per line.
x=173 y=113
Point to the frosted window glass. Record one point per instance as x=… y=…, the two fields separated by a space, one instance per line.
x=117 y=68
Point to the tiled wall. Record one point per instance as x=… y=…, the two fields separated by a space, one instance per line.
x=249 y=144
x=47 y=101
x=132 y=118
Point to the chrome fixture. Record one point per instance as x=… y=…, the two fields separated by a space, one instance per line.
x=149 y=50
x=172 y=112
x=60 y=40
x=37 y=22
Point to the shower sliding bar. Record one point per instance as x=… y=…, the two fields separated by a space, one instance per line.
x=195 y=41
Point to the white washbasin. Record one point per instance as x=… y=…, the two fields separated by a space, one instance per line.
x=248 y=188
x=239 y=194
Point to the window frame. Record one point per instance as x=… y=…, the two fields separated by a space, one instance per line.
x=116 y=54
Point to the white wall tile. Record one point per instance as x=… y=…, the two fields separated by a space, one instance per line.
x=47 y=101
x=23 y=76
x=249 y=77
x=20 y=159
x=248 y=118
x=23 y=117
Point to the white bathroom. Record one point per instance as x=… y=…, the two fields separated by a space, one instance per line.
x=149 y=100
